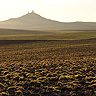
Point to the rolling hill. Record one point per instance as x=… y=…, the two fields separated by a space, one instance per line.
x=33 y=21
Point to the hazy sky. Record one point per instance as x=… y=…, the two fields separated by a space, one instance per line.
x=60 y=10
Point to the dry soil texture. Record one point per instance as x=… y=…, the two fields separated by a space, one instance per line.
x=48 y=68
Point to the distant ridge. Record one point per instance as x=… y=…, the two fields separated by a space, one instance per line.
x=33 y=21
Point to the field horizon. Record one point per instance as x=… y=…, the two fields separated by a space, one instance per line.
x=17 y=34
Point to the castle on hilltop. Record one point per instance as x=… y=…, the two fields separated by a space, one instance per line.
x=31 y=12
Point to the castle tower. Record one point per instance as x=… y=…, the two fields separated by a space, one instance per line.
x=28 y=12
x=32 y=11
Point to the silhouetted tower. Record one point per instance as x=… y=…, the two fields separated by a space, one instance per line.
x=28 y=12
x=32 y=11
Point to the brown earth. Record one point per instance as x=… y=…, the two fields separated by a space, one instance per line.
x=48 y=68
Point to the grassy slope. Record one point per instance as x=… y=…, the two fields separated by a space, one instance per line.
x=56 y=36
x=12 y=34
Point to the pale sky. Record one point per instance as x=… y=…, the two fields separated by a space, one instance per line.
x=59 y=10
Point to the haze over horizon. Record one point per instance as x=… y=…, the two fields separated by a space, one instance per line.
x=62 y=10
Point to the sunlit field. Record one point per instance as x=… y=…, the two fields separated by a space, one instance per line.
x=48 y=68
x=14 y=34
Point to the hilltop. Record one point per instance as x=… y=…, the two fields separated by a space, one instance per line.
x=33 y=21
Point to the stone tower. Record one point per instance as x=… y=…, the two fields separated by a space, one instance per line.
x=32 y=11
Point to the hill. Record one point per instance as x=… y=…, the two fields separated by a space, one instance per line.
x=33 y=21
